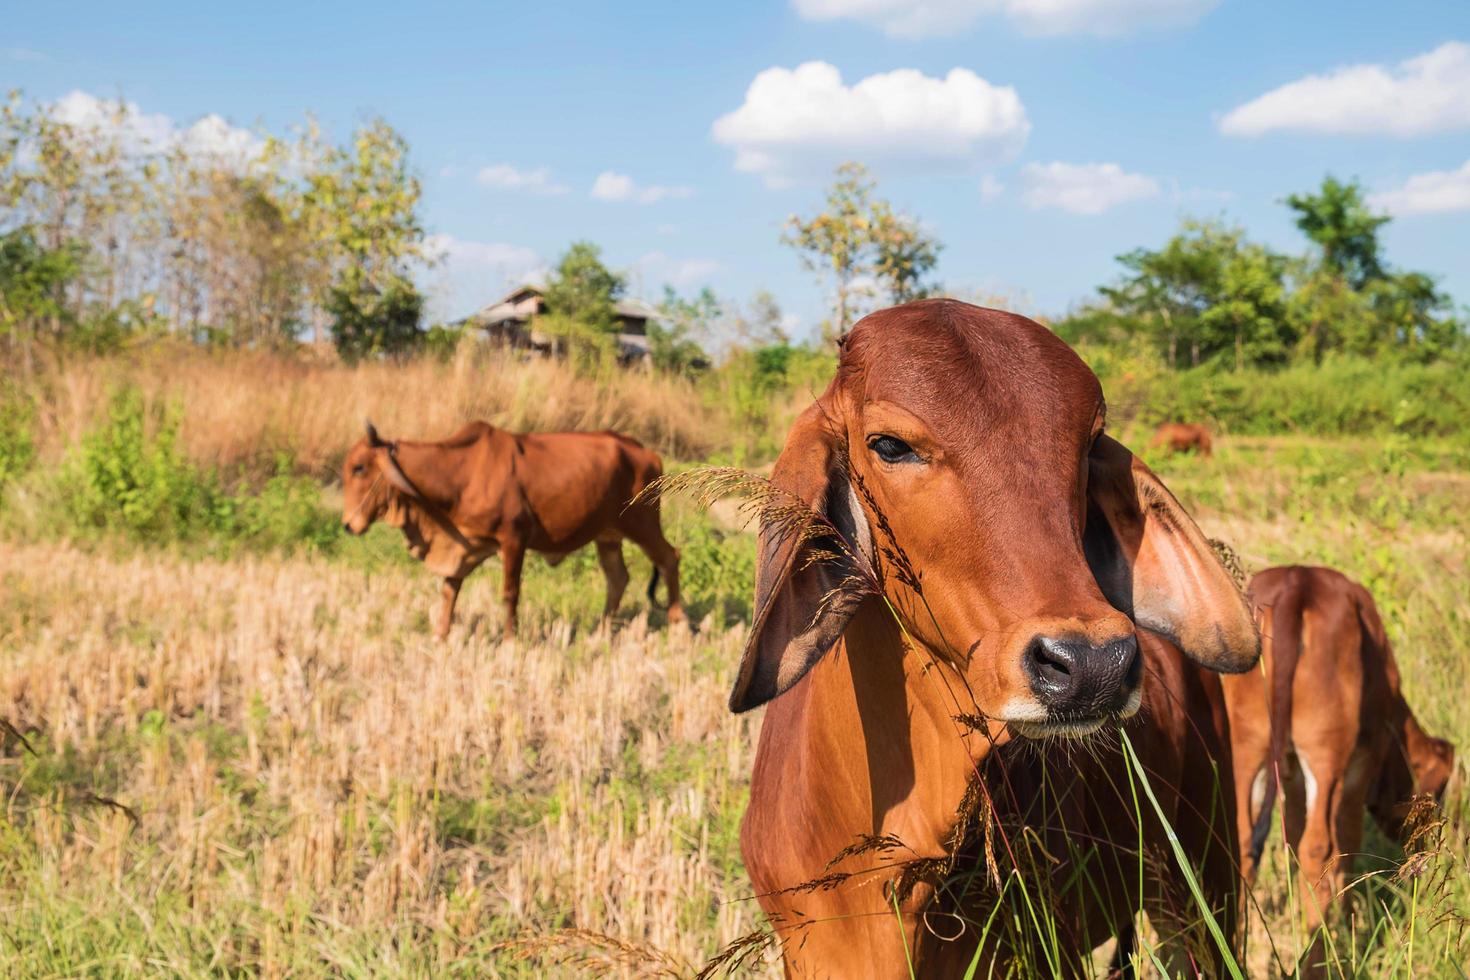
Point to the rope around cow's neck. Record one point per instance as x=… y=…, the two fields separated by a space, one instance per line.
x=414 y=495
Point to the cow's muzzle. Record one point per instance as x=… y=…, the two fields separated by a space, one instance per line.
x=1081 y=683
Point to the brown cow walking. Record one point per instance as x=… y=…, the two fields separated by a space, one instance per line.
x=1006 y=576
x=1327 y=714
x=1180 y=437
x=484 y=490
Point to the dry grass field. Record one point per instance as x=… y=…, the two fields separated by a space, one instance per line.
x=226 y=762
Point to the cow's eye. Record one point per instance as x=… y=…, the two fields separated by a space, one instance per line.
x=359 y=470
x=893 y=450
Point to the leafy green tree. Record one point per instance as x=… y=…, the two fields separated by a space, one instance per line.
x=366 y=322
x=857 y=236
x=583 y=289
x=364 y=203
x=676 y=338
x=904 y=255
x=33 y=284
x=1413 y=316
x=1210 y=289
x=1337 y=219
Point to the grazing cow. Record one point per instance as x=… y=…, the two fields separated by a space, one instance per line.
x=1180 y=437
x=990 y=572
x=484 y=490
x=1327 y=716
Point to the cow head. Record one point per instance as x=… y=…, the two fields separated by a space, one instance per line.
x=960 y=463
x=1417 y=763
x=370 y=474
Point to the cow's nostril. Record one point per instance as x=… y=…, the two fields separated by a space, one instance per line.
x=1054 y=668
x=1079 y=677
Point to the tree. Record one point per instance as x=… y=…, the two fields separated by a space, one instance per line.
x=365 y=204
x=32 y=281
x=1337 y=218
x=1212 y=289
x=856 y=237
x=676 y=343
x=585 y=290
x=904 y=254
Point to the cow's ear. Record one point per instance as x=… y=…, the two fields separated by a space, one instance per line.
x=1153 y=563
x=373 y=438
x=813 y=547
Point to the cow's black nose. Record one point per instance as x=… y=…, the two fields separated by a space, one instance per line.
x=1075 y=678
x=347 y=527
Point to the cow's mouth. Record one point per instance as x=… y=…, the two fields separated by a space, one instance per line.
x=1077 y=726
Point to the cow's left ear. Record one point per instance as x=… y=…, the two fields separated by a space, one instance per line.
x=1154 y=564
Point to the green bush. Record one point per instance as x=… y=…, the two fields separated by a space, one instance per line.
x=129 y=475
x=17 y=437
x=286 y=514
x=1339 y=396
x=716 y=571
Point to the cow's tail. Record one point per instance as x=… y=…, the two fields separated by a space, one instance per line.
x=1286 y=650
x=653 y=592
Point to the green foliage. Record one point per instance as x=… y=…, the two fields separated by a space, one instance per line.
x=1208 y=292
x=129 y=475
x=1338 y=220
x=674 y=339
x=1340 y=396
x=442 y=340
x=1211 y=295
x=858 y=235
x=367 y=322
x=33 y=283
x=583 y=289
x=17 y=436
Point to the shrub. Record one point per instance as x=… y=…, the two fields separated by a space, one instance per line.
x=129 y=475
x=17 y=437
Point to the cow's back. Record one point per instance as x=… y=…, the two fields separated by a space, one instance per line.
x=578 y=484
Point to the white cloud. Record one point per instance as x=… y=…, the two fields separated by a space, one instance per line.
x=469 y=274
x=928 y=18
x=26 y=54
x=1083 y=188
x=610 y=186
x=1427 y=193
x=990 y=188
x=1426 y=94
x=140 y=132
x=655 y=269
x=806 y=120
x=503 y=176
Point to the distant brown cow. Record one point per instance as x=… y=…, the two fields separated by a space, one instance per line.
x=983 y=583
x=1179 y=437
x=1328 y=716
x=484 y=490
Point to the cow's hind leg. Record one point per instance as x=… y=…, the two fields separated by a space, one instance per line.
x=645 y=531
x=449 y=595
x=610 y=557
x=1318 y=858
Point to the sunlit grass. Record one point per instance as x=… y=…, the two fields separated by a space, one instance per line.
x=262 y=763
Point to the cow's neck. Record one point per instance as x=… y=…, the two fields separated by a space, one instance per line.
x=919 y=748
x=437 y=471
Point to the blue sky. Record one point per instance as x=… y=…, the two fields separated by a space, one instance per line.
x=1075 y=129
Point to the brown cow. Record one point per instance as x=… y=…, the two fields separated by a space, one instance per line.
x=1181 y=437
x=985 y=559
x=1334 y=726
x=484 y=490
